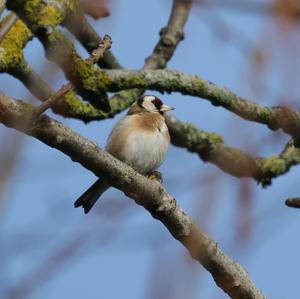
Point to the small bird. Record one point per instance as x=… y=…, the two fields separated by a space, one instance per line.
x=141 y=140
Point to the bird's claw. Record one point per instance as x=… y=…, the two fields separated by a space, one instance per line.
x=156 y=176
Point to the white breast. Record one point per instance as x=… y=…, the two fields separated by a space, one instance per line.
x=143 y=150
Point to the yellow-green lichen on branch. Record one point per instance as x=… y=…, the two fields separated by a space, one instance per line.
x=91 y=78
x=136 y=81
x=78 y=109
x=11 y=47
x=50 y=13
x=265 y=115
x=274 y=165
x=199 y=83
x=193 y=135
x=271 y=167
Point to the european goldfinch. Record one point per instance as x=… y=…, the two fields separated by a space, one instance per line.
x=141 y=140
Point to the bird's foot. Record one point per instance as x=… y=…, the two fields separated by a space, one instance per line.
x=155 y=175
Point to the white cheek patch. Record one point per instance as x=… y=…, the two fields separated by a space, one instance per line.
x=149 y=98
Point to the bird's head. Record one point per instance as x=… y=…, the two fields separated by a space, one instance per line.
x=153 y=104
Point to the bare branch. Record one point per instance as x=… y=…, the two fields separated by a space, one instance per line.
x=10 y=22
x=103 y=46
x=228 y=275
x=170 y=36
x=293 y=202
x=2 y=6
x=39 y=110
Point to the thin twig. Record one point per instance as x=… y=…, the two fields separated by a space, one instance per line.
x=11 y=21
x=98 y=53
x=2 y=6
x=293 y=202
x=78 y=25
x=39 y=110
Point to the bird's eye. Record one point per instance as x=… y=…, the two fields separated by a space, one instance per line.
x=157 y=103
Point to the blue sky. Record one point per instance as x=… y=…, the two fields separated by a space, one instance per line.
x=118 y=249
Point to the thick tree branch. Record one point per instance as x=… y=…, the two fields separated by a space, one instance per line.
x=211 y=148
x=171 y=81
x=229 y=275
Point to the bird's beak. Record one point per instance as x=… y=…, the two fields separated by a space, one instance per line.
x=165 y=108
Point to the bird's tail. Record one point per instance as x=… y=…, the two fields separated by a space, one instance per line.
x=91 y=195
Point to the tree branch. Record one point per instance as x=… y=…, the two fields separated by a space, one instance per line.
x=2 y=6
x=170 y=81
x=211 y=148
x=11 y=21
x=228 y=275
x=293 y=202
x=170 y=36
